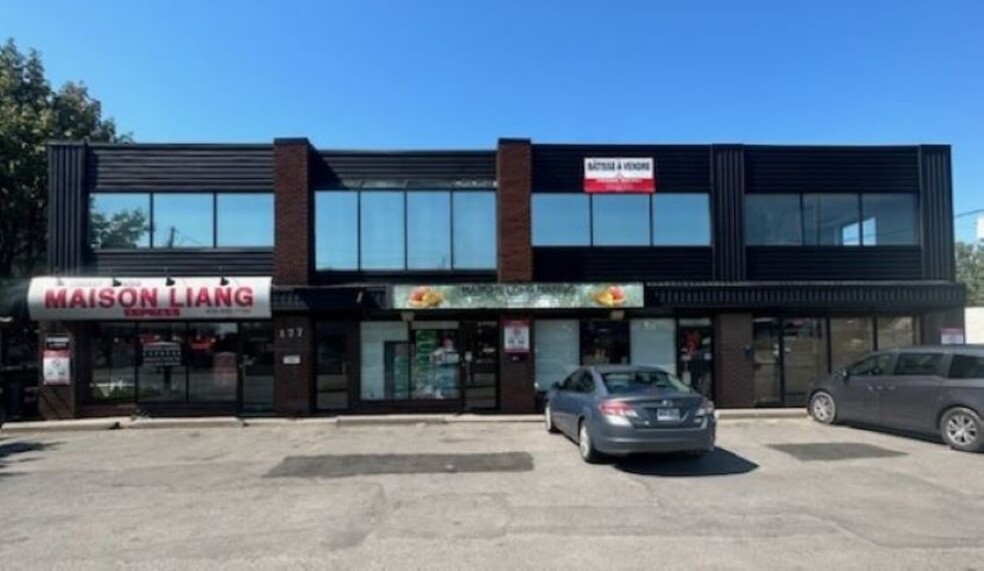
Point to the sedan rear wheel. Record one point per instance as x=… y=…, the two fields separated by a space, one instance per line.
x=586 y=447
x=962 y=429
x=823 y=408
x=548 y=420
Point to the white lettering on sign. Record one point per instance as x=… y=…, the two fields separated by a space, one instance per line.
x=66 y=299
x=619 y=175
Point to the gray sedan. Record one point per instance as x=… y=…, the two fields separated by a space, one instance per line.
x=616 y=410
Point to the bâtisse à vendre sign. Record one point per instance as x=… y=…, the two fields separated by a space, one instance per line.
x=74 y=299
x=623 y=174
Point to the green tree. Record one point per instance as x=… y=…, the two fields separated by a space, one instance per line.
x=970 y=270
x=119 y=230
x=31 y=114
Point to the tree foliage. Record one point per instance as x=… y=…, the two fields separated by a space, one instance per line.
x=31 y=114
x=970 y=270
x=122 y=229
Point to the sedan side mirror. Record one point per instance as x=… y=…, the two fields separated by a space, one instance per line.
x=555 y=386
x=844 y=374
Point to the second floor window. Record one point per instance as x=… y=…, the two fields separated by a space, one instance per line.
x=165 y=220
x=662 y=219
x=389 y=230
x=830 y=219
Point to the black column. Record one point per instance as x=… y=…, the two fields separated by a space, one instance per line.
x=728 y=211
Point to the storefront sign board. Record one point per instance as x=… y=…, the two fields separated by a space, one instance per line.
x=57 y=360
x=518 y=296
x=95 y=298
x=619 y=174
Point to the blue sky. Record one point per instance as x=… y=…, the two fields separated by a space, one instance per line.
x=460 y=74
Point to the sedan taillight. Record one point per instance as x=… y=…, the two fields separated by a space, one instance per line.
x=706 y=408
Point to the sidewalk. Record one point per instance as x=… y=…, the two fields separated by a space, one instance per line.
x=124 y=422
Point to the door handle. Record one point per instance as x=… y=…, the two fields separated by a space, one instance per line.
x=890 y=388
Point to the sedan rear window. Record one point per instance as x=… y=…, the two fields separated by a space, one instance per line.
x=621 y=382
x=966 y=367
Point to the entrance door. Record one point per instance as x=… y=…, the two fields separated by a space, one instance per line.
x=334 y=368
x=768 y=370
x=480 y=364
x=257 y=367
x=695 y=339
x=435 y=366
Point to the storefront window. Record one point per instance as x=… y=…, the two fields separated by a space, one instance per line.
x=474 y=231
x=831 y=220
x=436 y=361
x=604 y=342
x=896 y=332
x=889 y=219
x=213 y=367
x=695 y=348
x=114 y=362
x=183 y=221
x=651 y=343
x=119 y=220
x=804 y=357
x=336 y=235
x=333 y=367
x=681 y=219
x=381 y=234
x=244 y=219
x=385 y=360
x=561 y=220
x=163 y=362
x=429 y=230
x=773 y=220
x=850 y=339
x=620 y=220
x=557 y=350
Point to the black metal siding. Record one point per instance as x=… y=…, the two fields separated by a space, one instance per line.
x=874 y=296
x=620 y=263
x=936 y=209
x=407 y=169
x=728 y=211
x=842 y=263
x=679 y=168
x=181 y=167
x=238 y=262
x=831 y=169
x=67 y=206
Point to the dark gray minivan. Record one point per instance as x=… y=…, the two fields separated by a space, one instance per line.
x=931 y=389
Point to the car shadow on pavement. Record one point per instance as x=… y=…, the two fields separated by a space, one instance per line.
x=720 y=462
x=11 y=448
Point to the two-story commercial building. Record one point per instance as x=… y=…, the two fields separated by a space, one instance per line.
x=284 y=279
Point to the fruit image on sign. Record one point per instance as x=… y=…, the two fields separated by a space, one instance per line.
x=610 y=296
x=424 y=296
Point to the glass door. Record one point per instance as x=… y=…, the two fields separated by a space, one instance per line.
x=435 y=361
x=695 y=349
x=333 y=367
x=480 y=364
x=257 y=367
x=804 y=357
x=767 y=379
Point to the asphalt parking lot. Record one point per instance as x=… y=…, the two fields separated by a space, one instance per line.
x=777 y=494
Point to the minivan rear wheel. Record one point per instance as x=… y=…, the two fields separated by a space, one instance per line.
x=823 y=408
x=962 y=429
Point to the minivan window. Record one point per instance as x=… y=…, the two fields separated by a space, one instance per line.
x=966 y=367
x=918 y=364
x=873 y=365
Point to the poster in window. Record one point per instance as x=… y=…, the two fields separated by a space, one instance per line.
x=952 y=336
x=162 y=354
x=516 y=336
x=57 y=359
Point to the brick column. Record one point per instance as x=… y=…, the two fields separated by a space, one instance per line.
x=734 y=372
x=516 y=391
x=293 y=367
x=514 y=177
x=294 y=212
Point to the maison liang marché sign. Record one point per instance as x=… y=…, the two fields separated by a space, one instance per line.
x=96 y=298
x=518 y=296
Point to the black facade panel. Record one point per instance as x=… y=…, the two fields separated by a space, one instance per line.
x=936 y=208
x=679 y=168
x=887 y=297
x=620 y=263
x=727 y=211
x=181 y=167
x=238 y=262
x=408 y=169
x=840 y=263
x=67 y=207
x=831 y=169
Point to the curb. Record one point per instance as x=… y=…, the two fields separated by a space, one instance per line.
x=86 y=424
x=390 y=420
x=153 y=423
x=759 y=414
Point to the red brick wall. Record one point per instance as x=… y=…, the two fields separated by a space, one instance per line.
x=293 y=393
x=292 y=241
x=514 y=174
x=734 y=372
